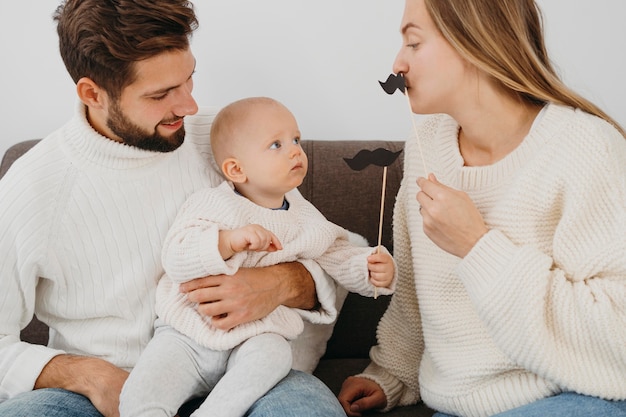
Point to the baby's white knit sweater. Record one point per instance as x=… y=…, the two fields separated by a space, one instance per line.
x=538 y=306
x=190 y=251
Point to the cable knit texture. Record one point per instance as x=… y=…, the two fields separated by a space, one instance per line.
x=537 y=307
x=191 y=250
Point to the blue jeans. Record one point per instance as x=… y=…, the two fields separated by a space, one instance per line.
x=567 y=405
x=299 y=394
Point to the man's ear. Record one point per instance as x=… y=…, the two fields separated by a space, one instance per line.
x=233 y=171
x=90 y=93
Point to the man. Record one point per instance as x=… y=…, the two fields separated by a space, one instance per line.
x=84 y=213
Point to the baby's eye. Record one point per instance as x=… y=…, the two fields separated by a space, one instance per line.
x=296 y=141
x=275 y=145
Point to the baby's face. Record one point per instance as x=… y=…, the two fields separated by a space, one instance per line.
x=272 y=157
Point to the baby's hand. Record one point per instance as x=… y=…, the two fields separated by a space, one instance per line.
x=251 y=237
x=381 y=269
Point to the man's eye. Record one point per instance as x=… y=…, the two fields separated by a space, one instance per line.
x=159 y=97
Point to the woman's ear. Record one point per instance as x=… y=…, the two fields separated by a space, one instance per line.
x=90 y=93
x=233 y=171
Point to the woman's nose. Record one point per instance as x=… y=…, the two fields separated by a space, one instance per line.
x=399 y=64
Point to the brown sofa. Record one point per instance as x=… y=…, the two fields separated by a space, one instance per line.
x=352 y=200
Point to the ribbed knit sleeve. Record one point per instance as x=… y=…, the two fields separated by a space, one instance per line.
x=348 y=264
x=27 y=210
x=190 y=248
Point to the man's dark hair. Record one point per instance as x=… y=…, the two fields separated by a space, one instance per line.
x=103 y=39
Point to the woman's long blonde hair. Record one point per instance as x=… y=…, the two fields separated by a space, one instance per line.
x=504 y=38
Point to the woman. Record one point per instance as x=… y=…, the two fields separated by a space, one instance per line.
x=511 y=247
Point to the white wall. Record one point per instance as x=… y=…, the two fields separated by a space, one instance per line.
x=322 y=58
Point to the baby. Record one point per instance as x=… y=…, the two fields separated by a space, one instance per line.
x=255 y=218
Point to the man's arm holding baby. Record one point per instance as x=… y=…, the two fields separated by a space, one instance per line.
x=252 y=293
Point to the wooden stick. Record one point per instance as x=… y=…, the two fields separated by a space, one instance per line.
x=382 y=209
x=419 y=143
x=380 y=222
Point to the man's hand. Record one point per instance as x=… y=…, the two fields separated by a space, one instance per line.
x=252 y=293
x=358 y=395
x=96 y=379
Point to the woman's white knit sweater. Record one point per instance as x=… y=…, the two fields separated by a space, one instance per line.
x=190 y=251
x=538 y=306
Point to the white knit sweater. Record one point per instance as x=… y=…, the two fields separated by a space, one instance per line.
x=190 y=251
x=82 y=222
x=538 y=305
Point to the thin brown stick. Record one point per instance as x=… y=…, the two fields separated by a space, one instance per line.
x=419 y=143
x=382 y=209
x=380 y=222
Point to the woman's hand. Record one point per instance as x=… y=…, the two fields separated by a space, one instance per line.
x=450 y=218
x=358 y=395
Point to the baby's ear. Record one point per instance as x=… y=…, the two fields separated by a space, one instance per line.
x=233 y=171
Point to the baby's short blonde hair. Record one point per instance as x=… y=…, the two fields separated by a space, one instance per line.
x=229 y=123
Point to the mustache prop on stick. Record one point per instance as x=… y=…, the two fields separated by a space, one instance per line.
x=383 y=158
x=396 y=82
x=379 y=157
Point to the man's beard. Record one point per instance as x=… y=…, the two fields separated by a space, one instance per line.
x=133 y=135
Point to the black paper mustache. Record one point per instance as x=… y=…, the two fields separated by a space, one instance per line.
x=380 y=157
x=394 y=81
